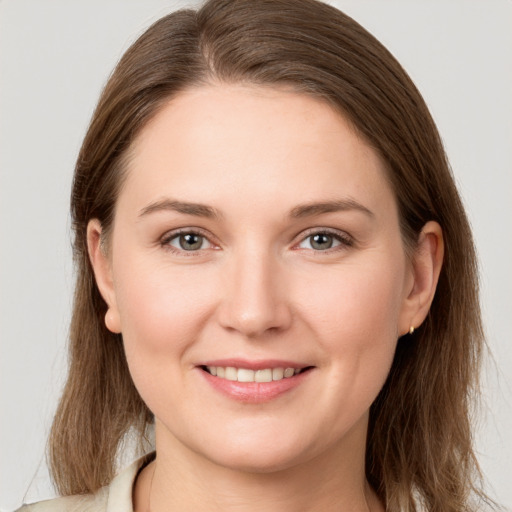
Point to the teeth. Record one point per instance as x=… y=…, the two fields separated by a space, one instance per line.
x=262 y=375
x=289 y=372
x=246 y=375
x=277 y=373
x=231 y=373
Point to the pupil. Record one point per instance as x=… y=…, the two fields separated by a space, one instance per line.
x=190 y=241
x=322 y=241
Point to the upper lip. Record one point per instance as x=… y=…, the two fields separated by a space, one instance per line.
x=259 y=364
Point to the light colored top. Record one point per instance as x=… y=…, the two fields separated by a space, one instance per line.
x=115 y=497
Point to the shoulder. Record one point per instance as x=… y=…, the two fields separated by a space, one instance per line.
x=116 y=497
x=80 y=503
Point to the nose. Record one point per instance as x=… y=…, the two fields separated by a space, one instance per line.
x=254 y=299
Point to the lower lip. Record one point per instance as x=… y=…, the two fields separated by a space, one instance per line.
x=254 y=392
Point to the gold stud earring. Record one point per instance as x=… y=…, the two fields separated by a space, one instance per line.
x=411 y=329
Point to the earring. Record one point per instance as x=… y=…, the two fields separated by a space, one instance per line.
x=411 y=329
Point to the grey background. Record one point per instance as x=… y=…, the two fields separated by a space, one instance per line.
x=55 y=56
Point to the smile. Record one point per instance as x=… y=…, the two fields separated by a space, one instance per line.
x=246 y=375
x=254 y=382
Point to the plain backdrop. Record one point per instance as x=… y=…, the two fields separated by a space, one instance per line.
x=55 y=56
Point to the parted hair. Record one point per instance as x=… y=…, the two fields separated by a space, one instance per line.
x=419 y=452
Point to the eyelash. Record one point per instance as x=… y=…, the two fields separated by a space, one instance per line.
x=345 y=240
x=166 y=240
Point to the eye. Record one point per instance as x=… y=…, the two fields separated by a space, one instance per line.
x=324 y=240
x=189 y=241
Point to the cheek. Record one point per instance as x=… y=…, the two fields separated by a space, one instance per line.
x=163 y=310
x=355 y=315
x=362 y=299
x=161 y=307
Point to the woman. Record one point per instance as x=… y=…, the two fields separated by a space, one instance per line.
x=274 y=268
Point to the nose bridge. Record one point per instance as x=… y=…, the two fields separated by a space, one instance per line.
x=254 y=299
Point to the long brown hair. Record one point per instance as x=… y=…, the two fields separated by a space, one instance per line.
x=419 y=448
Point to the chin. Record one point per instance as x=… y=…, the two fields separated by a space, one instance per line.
x=265 y=462
x=259 y=453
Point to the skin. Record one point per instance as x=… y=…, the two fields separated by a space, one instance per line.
x=258 y=289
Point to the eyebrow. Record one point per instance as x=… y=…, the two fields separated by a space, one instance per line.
x=197 y=209
x=298 y=212
x=338 y=205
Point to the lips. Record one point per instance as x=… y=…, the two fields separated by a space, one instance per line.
x=254 y=382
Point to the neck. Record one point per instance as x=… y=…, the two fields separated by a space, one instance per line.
x=180 y=479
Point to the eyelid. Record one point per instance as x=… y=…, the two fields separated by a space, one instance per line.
x=346 y=239
x=342 y=236
x=173 y=233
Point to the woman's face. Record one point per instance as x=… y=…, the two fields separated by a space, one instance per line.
x=256 y=237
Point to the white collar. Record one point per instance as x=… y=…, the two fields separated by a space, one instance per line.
x=120 y=490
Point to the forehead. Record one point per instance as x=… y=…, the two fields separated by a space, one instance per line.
x=212 y=142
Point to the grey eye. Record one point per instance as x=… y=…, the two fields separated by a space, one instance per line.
x=322 y=241
x=319 y=242
x=189 y=242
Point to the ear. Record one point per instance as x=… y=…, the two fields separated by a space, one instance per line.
x=102 y=267
x=426 y=264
